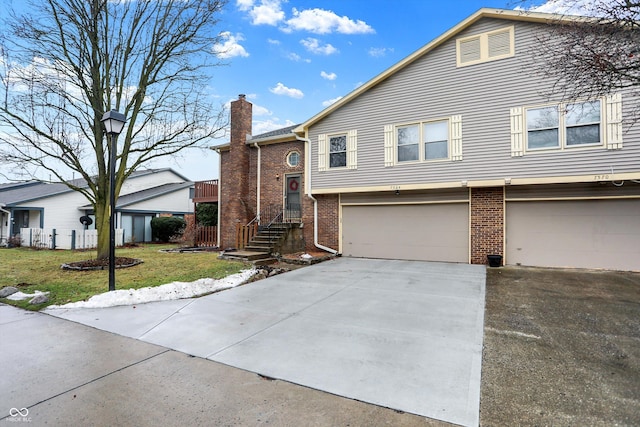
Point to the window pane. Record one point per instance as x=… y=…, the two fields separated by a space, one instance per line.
x=542 y=118
x=408 y=135
x=436 y=131
x=587 y=112
x=408 y=152
x=436 y=150
x=542 y=138
x=337 y=143
x=337 y=160
x=577 y=135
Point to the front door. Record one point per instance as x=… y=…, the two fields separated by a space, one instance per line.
x=293 y=210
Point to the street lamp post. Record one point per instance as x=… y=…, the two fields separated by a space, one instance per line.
x=113 y=123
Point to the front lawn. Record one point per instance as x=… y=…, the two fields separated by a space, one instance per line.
x=30 y=270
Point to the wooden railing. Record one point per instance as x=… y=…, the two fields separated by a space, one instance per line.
x=207 y=236
x=206 y=191
x=244 y=234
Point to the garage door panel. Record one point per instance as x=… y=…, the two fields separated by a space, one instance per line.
x=584 y=234
x=416 y=232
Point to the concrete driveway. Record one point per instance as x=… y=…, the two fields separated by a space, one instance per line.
x=399 y=334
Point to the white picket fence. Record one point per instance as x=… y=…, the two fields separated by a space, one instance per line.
x=59 y=238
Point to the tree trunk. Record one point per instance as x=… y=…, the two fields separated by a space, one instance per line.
x=102 y=224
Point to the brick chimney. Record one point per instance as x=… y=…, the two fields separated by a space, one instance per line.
x=235 y=206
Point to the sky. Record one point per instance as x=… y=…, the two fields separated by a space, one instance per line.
x=293 y=58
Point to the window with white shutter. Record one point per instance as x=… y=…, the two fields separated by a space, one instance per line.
x=352 y=149
x=322 y=152
x=613 y=119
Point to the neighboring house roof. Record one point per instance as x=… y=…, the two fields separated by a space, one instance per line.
x=274 y=136
x=150 y=193
x=19 y=193
x=512 y=15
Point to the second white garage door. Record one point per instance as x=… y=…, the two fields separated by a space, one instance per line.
x=430 y=232
x=584 y=234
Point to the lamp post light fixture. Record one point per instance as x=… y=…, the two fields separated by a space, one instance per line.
x=113 y=124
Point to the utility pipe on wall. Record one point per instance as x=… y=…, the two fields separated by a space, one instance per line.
x=307 y=188
x=255 y=144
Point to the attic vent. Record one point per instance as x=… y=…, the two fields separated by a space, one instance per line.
x=485 y=47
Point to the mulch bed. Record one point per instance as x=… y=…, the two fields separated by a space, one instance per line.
x=101 y=264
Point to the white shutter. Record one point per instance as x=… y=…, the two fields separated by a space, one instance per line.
x=388 y=145
x=352 y=149
x=322 y=152
x=456 y=137
x=613 y=121
x=517 y=132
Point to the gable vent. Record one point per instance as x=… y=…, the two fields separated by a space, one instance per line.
x=485 y=47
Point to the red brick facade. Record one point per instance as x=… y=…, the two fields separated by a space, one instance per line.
x=235 y=198
x=487 y=223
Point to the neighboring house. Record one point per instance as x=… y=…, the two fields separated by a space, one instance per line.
x=453 y=154
x=144 y=195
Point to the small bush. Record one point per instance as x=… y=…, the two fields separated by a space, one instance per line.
x=166 y=228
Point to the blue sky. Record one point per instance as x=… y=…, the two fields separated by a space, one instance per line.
x=293 y=58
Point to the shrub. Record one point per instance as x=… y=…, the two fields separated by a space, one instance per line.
x=165 y=228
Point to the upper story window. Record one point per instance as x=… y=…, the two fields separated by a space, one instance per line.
x=338 y=151
x=568 y=125
x=423 y=141
x=485 y=47
x=564 y=126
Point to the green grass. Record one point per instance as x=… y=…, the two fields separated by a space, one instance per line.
x=31 y=270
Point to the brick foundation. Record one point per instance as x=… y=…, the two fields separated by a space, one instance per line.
x=487 y=223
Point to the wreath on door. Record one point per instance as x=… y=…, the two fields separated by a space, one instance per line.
x=293 y=185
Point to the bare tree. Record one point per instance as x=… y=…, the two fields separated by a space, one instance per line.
x=589 y=56
x=66 y=62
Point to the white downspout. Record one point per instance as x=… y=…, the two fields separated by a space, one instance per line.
x=218 y=233
x=255 y=144
x=307 y=187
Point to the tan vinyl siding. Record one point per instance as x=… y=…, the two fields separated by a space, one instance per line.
x=483 y=94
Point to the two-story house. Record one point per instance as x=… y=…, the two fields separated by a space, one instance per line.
x=453 y=154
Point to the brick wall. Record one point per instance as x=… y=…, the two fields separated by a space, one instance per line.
x=328 y=222
x=487 y=223
x=235 y=200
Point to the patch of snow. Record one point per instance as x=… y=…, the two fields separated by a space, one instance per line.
x=170 y=291
x=306 y=256
x=19 y=296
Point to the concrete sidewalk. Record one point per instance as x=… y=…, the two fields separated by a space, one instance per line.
x=399 y=334
x=61 y=373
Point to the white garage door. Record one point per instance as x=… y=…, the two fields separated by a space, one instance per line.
x=436 y=232
x=583 y=234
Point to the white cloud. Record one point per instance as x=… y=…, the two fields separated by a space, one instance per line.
x=268 y=12
x=273 y=41
x=328 y=76
x=259 y=111
x=570 y=7
x=244 y=4
x=331 y=101
x=262 y=126
x=230 y=47
x=281 y=89
x=378 y=52
x=313 y=46
x=320 y=21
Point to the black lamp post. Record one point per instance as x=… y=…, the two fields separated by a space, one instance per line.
x=113 y=124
